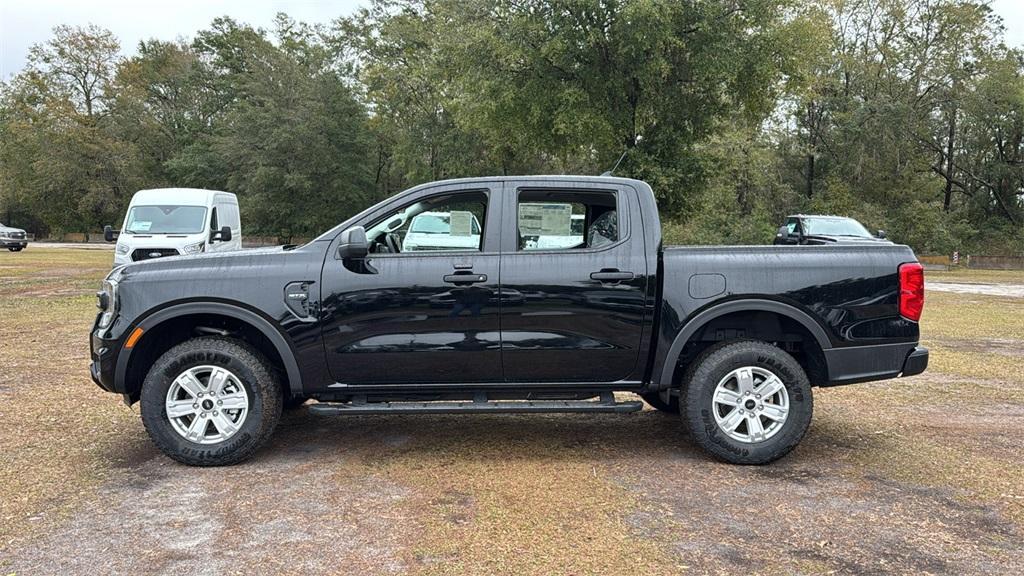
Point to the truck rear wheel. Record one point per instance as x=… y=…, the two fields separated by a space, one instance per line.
x=211 y=401
x=746 y=402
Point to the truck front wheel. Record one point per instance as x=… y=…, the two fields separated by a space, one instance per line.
x=746 y=402
x=211 y=401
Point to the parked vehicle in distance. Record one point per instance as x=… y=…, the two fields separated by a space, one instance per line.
x=213 y=347
x=14 y=239
x=175 y=221
x=458 y=230
x=810 y=229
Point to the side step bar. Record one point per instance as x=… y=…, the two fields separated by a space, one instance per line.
x=607 y=403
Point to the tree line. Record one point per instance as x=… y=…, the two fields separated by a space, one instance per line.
x=906 y=114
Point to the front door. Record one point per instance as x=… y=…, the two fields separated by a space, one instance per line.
x=423 y=307
x=574 y=280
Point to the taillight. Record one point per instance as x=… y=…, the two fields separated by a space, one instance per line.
x=911 y=290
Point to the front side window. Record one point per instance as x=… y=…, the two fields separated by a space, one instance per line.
x=445 y=223
x=166 y=219
x=555 y=220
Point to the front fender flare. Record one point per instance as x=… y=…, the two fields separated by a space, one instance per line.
x=265 y=327
x=698 y=321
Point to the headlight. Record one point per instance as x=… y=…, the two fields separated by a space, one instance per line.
x=4 y=235
x=107 y=298
x=121 y=249
x=195 y=248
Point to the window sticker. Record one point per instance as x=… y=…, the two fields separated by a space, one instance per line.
x=461 y=223
x=545 y=219
x=142 y=226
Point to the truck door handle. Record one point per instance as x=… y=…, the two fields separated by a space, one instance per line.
x=465 y=278
x=611 y=275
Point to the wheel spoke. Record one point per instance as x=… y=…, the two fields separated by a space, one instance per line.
x=179 y=408
x=217 y=380
x=745 y=380
x=727 y=397
x=775 y=412
x=223 y=424
x=731 y=420
x=197 y=429
x=754 y=428
x=233 y=401
x=769 y=387
x=191 y=384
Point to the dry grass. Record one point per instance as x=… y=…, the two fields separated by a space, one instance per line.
x=917 y=475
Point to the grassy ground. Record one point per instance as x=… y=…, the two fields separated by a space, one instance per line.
x=917 y=476
x=977 y=276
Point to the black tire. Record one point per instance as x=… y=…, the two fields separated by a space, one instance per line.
x=257 y=376
x=698 y=388
x=654 y=399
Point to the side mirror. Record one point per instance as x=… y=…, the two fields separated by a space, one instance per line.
x=353 y=244
x=224 y=234
x=782 y=235
x=109 y=234
x=881 y=234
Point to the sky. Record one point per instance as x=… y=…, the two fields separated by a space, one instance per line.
x=27 y=22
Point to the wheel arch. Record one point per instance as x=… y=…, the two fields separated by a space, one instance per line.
x=704 y=318
x=165 y=322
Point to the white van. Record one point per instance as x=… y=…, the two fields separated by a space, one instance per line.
x=174 y=221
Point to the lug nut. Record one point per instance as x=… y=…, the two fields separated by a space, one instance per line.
x=195 y=405
x=741 y=412
x=757 y=395
x=202 y=414
x=214 y=412
x=219 y=402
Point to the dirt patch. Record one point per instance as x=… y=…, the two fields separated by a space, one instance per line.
x=286 y=512
x=1011 y=290
x=812 y=514
x=1001 y=346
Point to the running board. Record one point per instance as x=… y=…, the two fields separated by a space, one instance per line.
x=606 y=404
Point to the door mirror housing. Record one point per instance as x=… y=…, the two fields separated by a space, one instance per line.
x=881 y=234
x=782 y=235
x=109 y=234
x=223 y=235
x=353 y=244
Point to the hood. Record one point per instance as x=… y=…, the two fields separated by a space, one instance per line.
x=846 y=239
x=204 y=260
x=143 y=241
x=9 y=229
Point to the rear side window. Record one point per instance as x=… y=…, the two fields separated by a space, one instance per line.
x=566 y=220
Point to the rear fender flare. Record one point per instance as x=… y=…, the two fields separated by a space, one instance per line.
x=697 y=322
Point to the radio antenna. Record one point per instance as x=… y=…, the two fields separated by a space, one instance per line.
x=616 y=167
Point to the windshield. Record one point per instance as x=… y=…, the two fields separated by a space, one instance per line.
x=166 y=220
x=835 y=227
x=431 y=224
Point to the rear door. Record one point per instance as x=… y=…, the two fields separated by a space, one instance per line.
x=574 y=279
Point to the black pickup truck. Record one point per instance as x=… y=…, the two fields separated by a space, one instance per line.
x=534 y=294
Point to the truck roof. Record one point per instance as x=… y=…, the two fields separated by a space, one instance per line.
x=183 y=196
